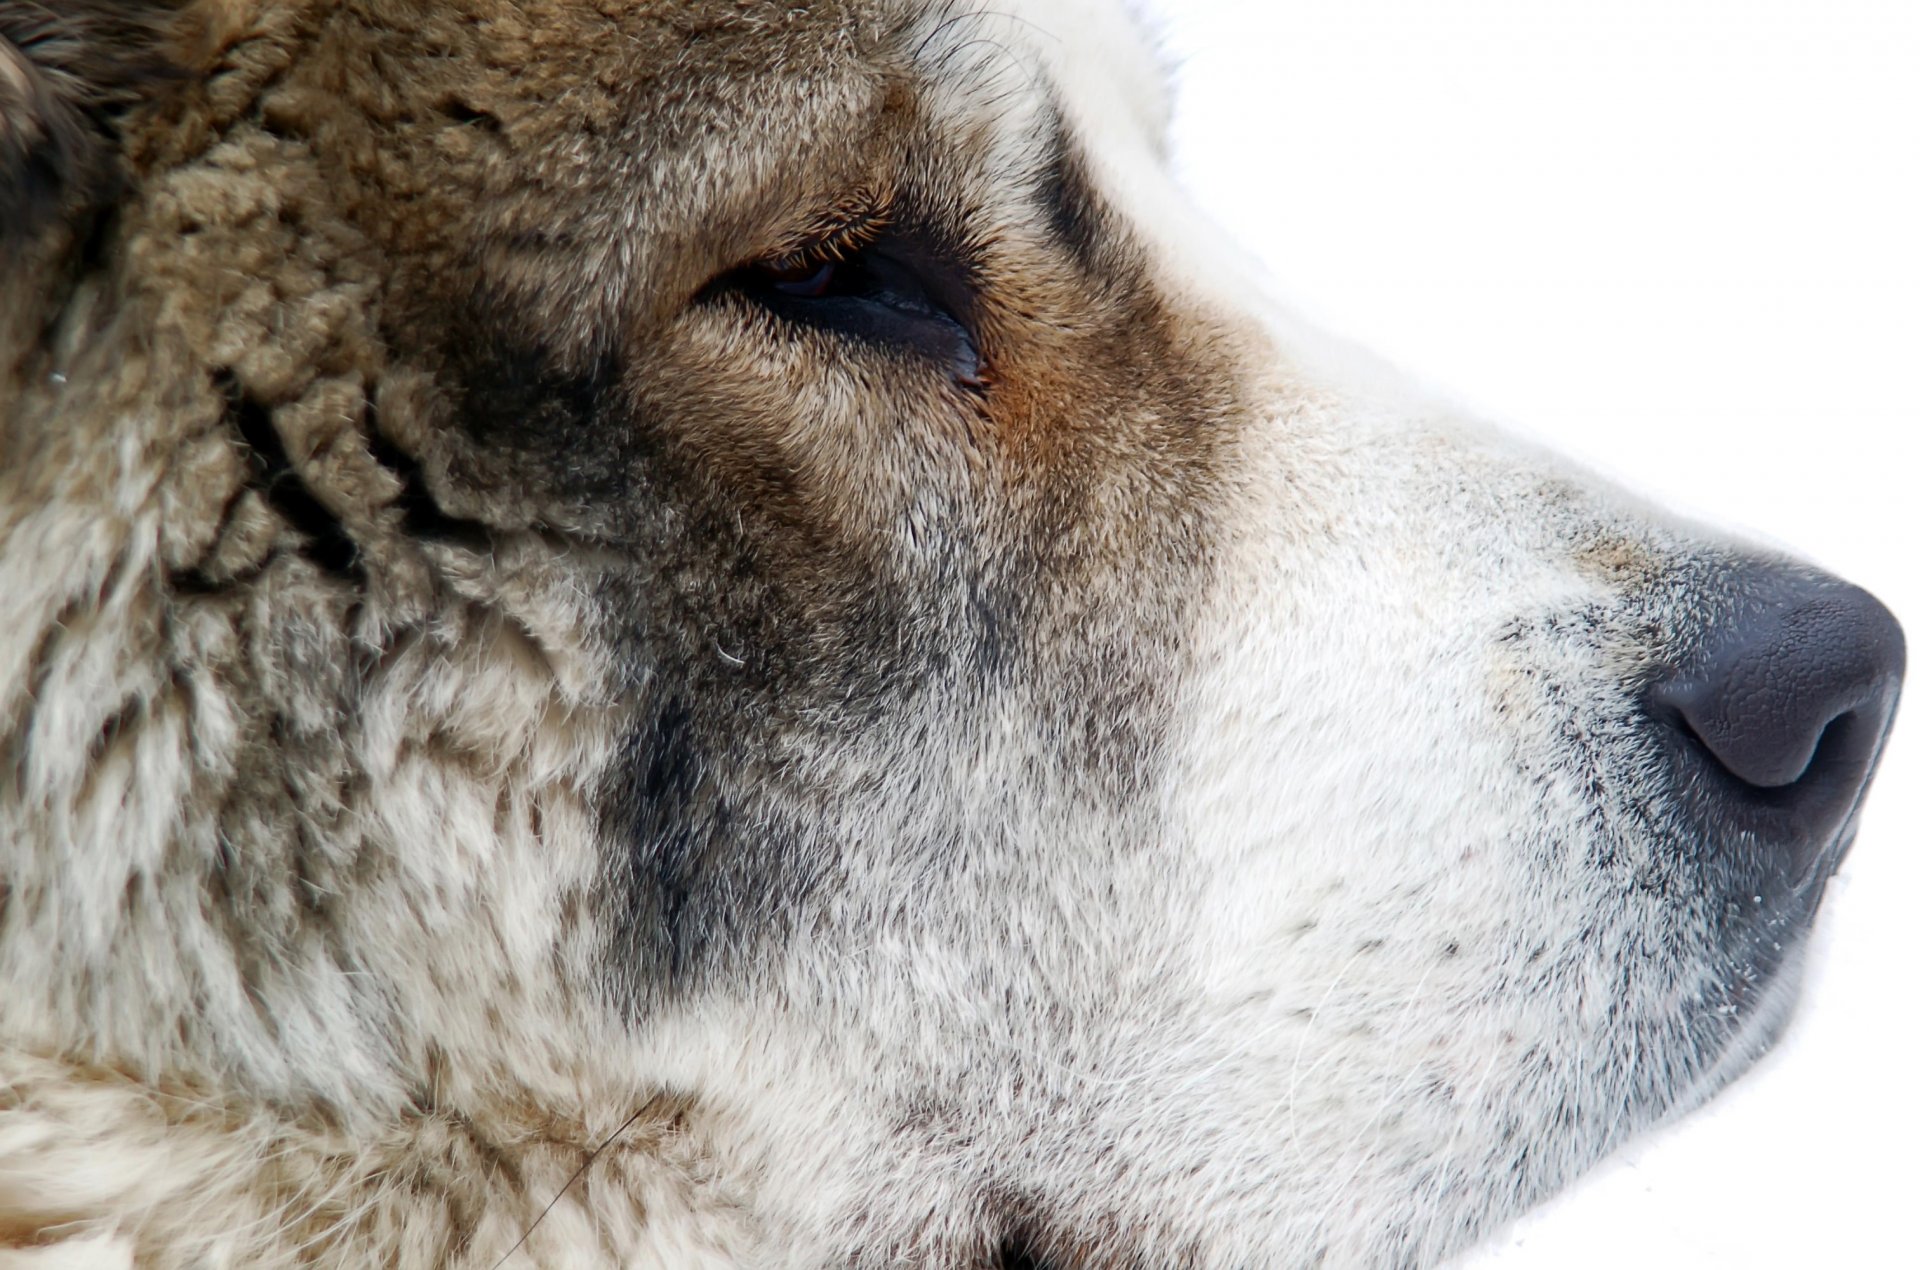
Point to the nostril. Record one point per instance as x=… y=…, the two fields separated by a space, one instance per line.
x=1832 y=741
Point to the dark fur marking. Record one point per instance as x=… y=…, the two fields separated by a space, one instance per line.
x=1073 y=211
x=196 y=580
x=328 y=544
x=1000 y=613
x=462 y=112
x=420 y=512
x=554 y=418
x=660 y=796
x=518 y=392
x=670 y=787
x=991 y=629
x=1015 y=1254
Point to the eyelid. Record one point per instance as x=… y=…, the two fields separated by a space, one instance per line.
x=851 y=224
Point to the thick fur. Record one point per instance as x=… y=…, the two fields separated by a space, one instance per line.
x=510 y=746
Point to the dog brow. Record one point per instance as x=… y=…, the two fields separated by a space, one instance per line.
x=1073 y=210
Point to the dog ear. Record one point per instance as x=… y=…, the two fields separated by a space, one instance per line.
x=68 y=70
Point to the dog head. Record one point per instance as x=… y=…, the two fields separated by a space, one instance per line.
x=751 y=574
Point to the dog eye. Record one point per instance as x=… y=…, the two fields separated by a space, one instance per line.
x=804 y=280
x=880 y=293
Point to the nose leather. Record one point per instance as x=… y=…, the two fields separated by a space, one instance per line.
x=1789 y=693
x=1768 y=685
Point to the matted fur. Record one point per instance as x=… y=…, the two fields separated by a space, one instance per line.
x=512 y=745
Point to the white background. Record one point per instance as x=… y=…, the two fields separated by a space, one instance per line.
x=1680 y=238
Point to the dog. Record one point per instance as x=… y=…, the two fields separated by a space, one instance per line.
x=714 y=633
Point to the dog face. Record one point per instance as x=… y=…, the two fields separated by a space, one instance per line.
x=750 y=576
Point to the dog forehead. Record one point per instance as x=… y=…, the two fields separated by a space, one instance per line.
x=1094 y=62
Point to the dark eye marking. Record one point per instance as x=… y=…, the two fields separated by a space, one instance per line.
x=1066 y=196
x=887 y=290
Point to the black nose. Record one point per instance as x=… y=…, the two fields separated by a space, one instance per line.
x=1790 y=692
